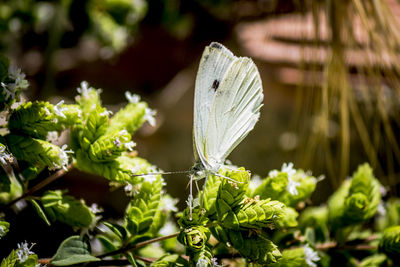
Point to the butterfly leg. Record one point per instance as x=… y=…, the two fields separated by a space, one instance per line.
x=190 y=197
x=226 y=177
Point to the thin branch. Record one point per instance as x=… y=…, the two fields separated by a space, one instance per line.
x=39 y=186
x=138 y=245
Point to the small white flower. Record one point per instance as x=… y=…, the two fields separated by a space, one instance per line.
x=47 y=111
x=63 y=159
x=150 y=178
x=169 y=204
x=291 y=187
x=311 y=256
x=149 y=116
x=19 y=82
x=130 y=145
x=168 y=229
x=8 y=90
x=84 y=89
x=255 y=182
x=273 y=173
x=381 y=209
x=132 y=98
x=214 y=262
x=202 y=263
x=4 y=155
x=59 y=110
x=52 y=136
x=116 y=142
x=128 y=189
x=23 y=251
x=106 y=113
x=94 y=208
x=288 y=168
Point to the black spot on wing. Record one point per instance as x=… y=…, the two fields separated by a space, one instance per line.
x=216 y=45
x=215 y=85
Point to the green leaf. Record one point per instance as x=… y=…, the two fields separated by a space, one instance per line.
x=66 y=209
x=131 y=117
x=40 y=212
x=169 y=261
x=107 y=243
x=140 y=213
x=10 y=261
x=356 y=200
x=73 y=250
x=390 y=243
x=31 y=261
x=117 y=229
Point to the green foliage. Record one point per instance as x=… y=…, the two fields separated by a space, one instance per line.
x=315 y=218
x=373 y=261
x=356 y=200
x=288 y=186
x=298 y=257
x=10 y=261
x=390 y=243
x=66 y=209
x=100 y=146
x=170 y=261
x=37 y=152
x=140 y=212
x=195 y=238
x=255 y=214
x=73 y=250
x=37 y=119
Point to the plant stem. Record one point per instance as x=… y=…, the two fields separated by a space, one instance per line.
x=138 y=245
x=39 y=186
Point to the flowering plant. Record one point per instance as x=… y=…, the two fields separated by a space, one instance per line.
x=239 y=220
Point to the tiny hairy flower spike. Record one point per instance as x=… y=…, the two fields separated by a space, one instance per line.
x=38 y=153
x=255 y=214
x=131 y=117
x=37 y=119
x=109 y=146
x=289 y=186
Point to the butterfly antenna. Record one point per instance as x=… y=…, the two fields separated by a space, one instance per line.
x=230 y=179
x=159 y=173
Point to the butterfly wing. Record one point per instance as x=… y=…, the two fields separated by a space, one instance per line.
x=235 y=110
x=215 y=62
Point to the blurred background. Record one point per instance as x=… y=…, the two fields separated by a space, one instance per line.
x=330 y=72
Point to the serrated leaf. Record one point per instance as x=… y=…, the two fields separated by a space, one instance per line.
x=31 y=261
x=40 y=211
x=117 y=229
x=72 y=250
x=67 y=209
x=107 y=243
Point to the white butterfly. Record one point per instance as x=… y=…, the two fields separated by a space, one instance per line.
x=227 y=102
